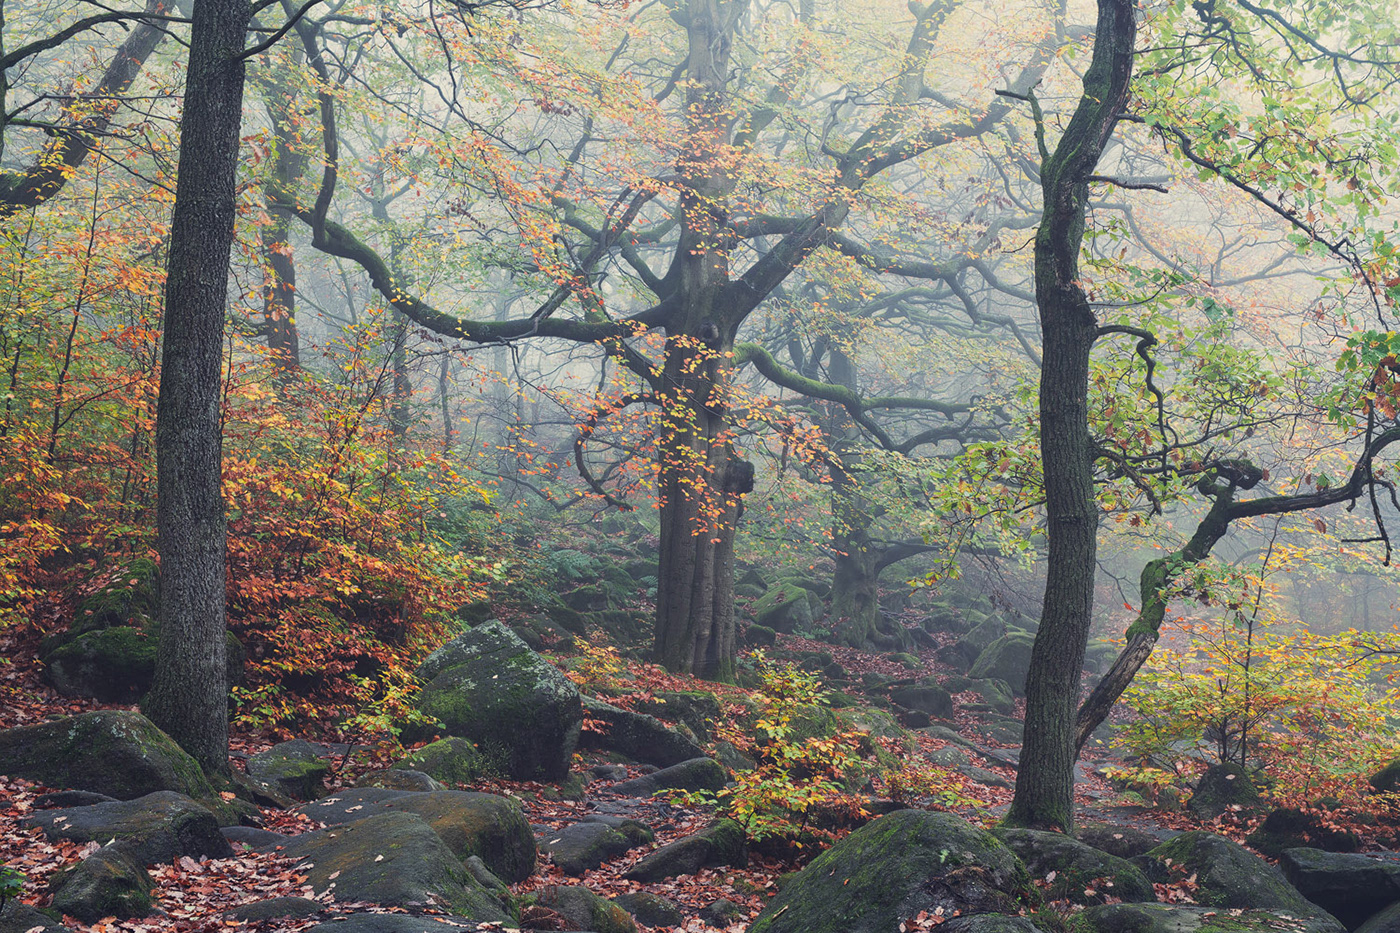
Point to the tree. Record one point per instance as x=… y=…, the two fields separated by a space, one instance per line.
x=703 y=297
x=1252 y=157
x=189 y=697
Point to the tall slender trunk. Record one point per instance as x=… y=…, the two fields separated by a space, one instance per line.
x=855 y=604
x=1044 y=796
x=189 y=696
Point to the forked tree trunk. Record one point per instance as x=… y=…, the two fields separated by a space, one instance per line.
x=1044 y=796
x=189 y=696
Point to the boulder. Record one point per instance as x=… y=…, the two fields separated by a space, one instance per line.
x=1227 y=874
x=295 y=768
x=1289 y=828
x=399 y=779
x=892 y=869
x=638 y=736
x=1387 y=921
x=1164 y=918
x=584 y=846
x=695 y=774
x=984 y=777
x=584 y=910
x=651 y=910
x=924 y=698
x=18 y=917
x=1223 y=787
x=989 y=923
x=451 y=761
x=785 y=607
x=488 y=686
x=995 y=694
x=115 y=665
x=967 y=648
x=719 y=844
x=111 y=882
x=758 y=636
x=486 y=825
x=251 y=837
x=393 y=859
x=1387 y=779
x=113 y=752
x=699 y=710
x=876 y=723
x=156 y=828
x=1077 y=872
x=1008 y=658
x=1352 y=887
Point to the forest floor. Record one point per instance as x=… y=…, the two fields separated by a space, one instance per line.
x=193 y=895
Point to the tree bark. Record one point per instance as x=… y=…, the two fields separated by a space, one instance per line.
x=1044 y=797
x=189 y=696
x=290 y=160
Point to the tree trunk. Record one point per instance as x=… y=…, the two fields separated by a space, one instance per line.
x=854 y=594
x=1044 y=796
x=189 y=697
x=289 y=163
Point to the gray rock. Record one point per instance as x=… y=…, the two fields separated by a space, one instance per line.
x=1220 y=788
x=894 y=867
x=585 y=910
x=584 y=846
x=651 y=910
x=989 y=923
x=259 y=840
x=784 y=607
x=486 y=825
x=400 y=779
x=720 y=844
x=639 y=737
x=1008 y=658
x=1164 y=918
x=16 y=917
x=924 y=698
x=950 y=756
x=295 y=907
x=295 y=768
x=488 y=686
x=69 y=798
x=156 y=828
x=113 y=752
x=393 y=859
x=1227 y=874
x=1120 y=839
x=1352 y=887
x=451 y=761
x=695 y=774
x=1077 y=868
x=111 y=882
x=722 y=913
x=983 y=776
x=1387 y=921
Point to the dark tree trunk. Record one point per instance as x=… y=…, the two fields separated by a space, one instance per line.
x=854 y=594
x=1044 y=796
x=702 y=479
x=289 y=163
x=189 y=697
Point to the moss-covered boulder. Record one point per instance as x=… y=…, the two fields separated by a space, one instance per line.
x=996 y=694
x=1387 y=779
x=928 y=698
x=158 y=827
x=582 y=847
x=1352 y=887
x=785 y=607
x=1165 y=918
x=1077 y=872
x=19 y=917
x=1290 y=828
x=128 y=596
x=1121 y=839
x=111 y=882
x=404 y=779
x=295 y=768
x=1227 y=874
x=876 y=723
x=636 y=735
x=488 y=686
x=1386 y=921
x=651 y=910
x=1008 y=658
x=1223 y=787
x=114 y=752
x=489 y=826
x=989 y=923
x=893 y=868
x=719 y=844
x=698 y=710
x=696 y=774
x=113 y=665
x=452 y=761
x=983 y=632
x=584 y=910
x=393 y=859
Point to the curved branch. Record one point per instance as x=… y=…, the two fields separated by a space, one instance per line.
x=586 y=431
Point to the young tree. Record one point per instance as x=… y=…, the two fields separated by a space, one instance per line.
x=189 y=697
